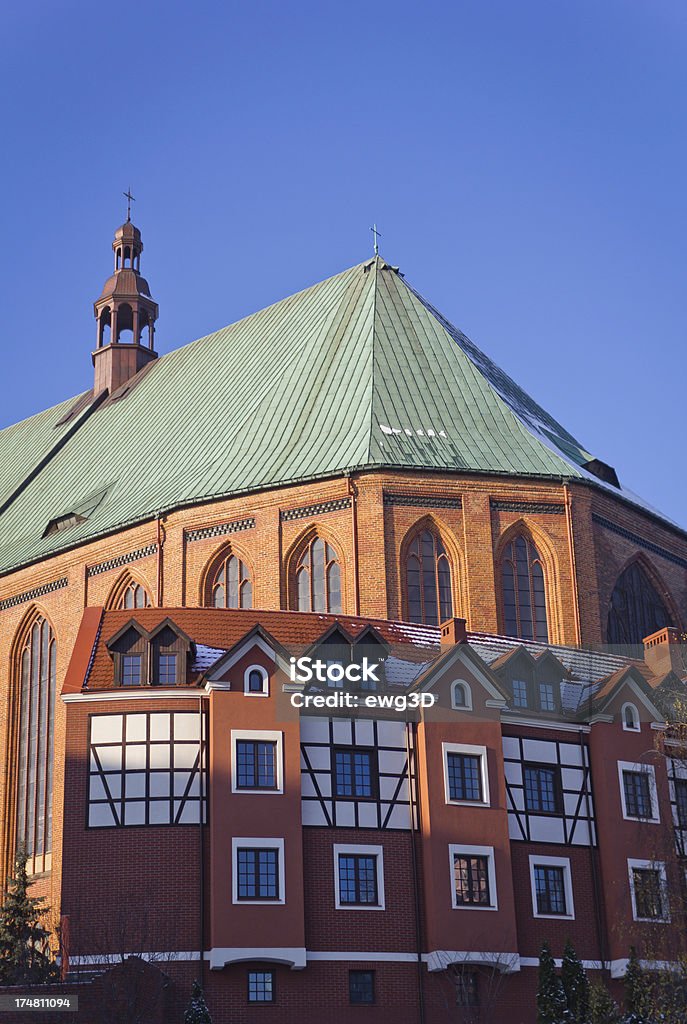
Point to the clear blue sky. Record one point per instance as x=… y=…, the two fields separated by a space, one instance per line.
x=525 y=162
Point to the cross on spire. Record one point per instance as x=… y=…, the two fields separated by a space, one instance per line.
x=376 y=236
x=129 y=200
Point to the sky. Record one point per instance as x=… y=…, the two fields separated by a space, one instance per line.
x=525 y=164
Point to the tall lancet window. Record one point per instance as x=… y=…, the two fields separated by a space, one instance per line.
x=428 y=580
x=636 y=609
x=135 y=596
x=231 y=585
x=318 y=578
x=36 y=741
x=524 y=592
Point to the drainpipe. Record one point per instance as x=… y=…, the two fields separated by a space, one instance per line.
x=353 y=494
x=161 y=535
x=573 y=563
x=204 y=792
x=596 y=881
x=414 y=806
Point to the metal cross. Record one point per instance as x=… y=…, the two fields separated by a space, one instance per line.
x=129 y=199
x=376 y=235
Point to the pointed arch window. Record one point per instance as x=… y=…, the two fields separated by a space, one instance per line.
x=523 y=591
x=231 y=584
x=35 y=741
x=135 y=596
x=428 y=580
x=318 y=578
x=637 y=609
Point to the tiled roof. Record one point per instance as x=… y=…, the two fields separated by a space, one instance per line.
x=356 y=372
x=216 y=630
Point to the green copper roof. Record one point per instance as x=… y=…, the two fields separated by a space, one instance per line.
x=356 y=372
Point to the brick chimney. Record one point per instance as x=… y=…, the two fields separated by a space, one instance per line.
x=453 y=631
x=665 y=650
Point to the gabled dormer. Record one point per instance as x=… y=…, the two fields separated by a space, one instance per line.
x=159 y=657
x=534 y=683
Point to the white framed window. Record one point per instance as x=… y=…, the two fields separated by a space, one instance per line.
x=257 y=761
x=256 y=681
x=547 y=697
x=520 y=695
x=649 y=890
x=257 y=874
x=461 y=695
x=466 y=777
x=638 y=795
x=358 y=877
x=630 y=717
x=552 y=892
x=473 y=877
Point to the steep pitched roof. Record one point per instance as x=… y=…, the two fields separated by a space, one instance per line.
x=356 y=372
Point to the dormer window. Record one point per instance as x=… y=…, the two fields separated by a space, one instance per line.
x=547 y=697
x=520 y=693
x=131 y=670
x=156 y=658
x=167 y=669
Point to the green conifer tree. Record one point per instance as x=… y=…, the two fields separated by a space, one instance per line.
x=602 y=1007
x=197 y=1012
x=575 y=986
x=636 y=992
x=25 y=957
x=550 y=994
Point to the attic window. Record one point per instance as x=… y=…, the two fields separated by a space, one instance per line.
x=603 y=471
x=63 y=523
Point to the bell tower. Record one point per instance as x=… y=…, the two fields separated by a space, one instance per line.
x=125 y=314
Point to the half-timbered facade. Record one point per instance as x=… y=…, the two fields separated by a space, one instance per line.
x=388 y=857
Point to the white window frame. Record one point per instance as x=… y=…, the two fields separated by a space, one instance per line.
x=635 y=716
x=363 y=850
x=265 y=692
x=262 y=843
x=258 y=735
x=553 y=862
x=647 y=769
x=649 y=865
x=457 y=849
x=474 y=751
x=468 y=695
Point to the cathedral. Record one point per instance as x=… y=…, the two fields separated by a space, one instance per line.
x=341 y=472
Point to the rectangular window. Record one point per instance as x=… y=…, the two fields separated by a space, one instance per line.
x=131 y=670
x=464 y=777
x=542 y=789
x=647 y=885
x=256 y=764
x=471 y=880
x=467 y=988
x=353 y=773
x=258 y=873
x=361 y=988
x=681 y=802
x=549 y=885
x=519 y=693
x=358 y=879
x=167 y=670
x=547 y=700
x=261 y=987
x=637 y=794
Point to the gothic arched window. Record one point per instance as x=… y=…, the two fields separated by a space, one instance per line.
x=523 y=591
x=135 y=596
x=231 y=585
x=636 y=609
x=35 y=741
x=318 y=578
x=428 y=580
